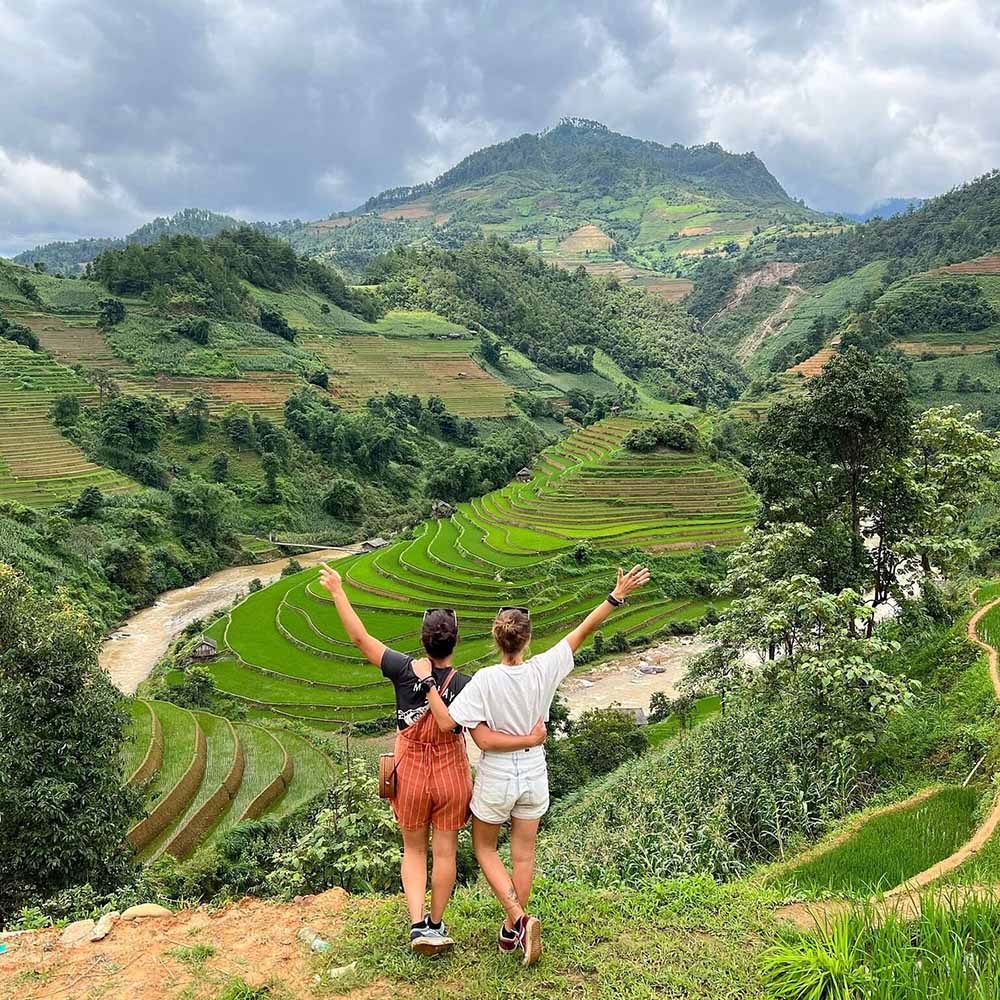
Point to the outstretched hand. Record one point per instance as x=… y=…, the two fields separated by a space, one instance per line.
x=636 y=577
x=331 y=580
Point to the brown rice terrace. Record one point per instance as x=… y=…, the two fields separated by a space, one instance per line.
x=284 y=653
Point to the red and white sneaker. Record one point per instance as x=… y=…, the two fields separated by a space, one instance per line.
x=507 y=940
x=529 y=939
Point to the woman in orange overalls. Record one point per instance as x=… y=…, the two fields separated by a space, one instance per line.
x=434 y=782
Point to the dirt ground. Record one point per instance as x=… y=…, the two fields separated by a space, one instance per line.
x=621 y=682
x=131 y=653
x=193 y=954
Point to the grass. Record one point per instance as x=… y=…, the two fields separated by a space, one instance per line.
x=691 y=938
x=948 y=952
x=314 y=773
x=659 y=732
x=138 y=734
x=178 y=747
x=892 y=847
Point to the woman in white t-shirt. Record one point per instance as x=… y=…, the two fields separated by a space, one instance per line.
x=511 y=697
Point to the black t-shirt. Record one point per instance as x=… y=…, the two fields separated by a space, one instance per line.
x=411 y=698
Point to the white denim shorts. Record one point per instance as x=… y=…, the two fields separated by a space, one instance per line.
x=511 y=785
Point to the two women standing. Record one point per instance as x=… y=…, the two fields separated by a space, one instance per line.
x=504 y=708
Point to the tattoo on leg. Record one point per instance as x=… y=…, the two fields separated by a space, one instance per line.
x=512 y=893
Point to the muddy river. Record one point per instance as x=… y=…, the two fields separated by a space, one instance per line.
x=129 y=654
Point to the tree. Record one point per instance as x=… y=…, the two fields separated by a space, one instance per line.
x=660 y=707
x=342 y=499
x=111 y=312
x=88 y=503
x=126 y=564
x=272 y=321
x=202 y=510
x=937 y=383
x=66 y=410
x=238 y=427
x=64 y=811
x=220 y=467
x=271 y=465
x=197 y=329
x=18 y=334
x=489 y=348
x=132 y=423
x=194 y=417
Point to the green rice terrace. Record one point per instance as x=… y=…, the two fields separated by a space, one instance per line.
x=284 y=653
x=38 y=466
x=200 y=775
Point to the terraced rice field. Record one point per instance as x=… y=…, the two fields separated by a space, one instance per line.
x=38 y=466
x=365 y=366
x=215 y=774
x=813 y=366
x=981 y=265
x=286 y=655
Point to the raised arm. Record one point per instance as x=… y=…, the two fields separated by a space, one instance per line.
x=635 y=578
x=353 y=626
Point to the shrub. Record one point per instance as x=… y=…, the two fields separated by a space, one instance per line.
x=66 y=410
x=354 y=843
x=272 y=321
x=342 y=499
x=732 y=792
x=194 y=328
x=63 y=810
x=111 y=313
x=292 y=567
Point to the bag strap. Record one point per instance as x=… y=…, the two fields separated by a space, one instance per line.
x=428 y=715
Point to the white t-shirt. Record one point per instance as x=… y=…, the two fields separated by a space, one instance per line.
x=511 y=699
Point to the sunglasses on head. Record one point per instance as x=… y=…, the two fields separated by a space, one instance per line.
x=525 y=611
x=446 y=611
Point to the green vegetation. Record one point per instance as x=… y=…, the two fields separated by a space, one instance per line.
x=885 y=851
x=63 y=808
x=551 y=543
x=557 y=319
x=657 y=733
x=946 y=951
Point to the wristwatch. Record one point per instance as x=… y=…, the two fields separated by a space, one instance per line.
x=614 y=601
x=428 y=682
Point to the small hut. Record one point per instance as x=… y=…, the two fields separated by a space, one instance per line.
x=204 y=649
x=371 y=544
x=638 y=714
x=524 y=476
x=441 y=509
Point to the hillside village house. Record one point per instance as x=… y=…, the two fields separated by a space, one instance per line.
x=204 y=649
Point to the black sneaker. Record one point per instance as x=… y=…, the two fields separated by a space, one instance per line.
x=428 y=940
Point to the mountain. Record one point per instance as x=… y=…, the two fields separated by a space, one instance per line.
x=884 y=209
x=68 y=257
x=580 y=194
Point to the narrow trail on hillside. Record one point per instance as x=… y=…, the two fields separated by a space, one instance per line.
x=751 y=343
x=131 y=652
x=904 y=899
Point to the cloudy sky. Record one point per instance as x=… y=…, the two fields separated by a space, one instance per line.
x=115 y=111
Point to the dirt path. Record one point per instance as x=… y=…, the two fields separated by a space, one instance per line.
x=129 y=654
x=748 y=346
x=905 y=898
x=193 y=954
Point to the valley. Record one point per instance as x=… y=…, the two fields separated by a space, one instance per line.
x=572 y=351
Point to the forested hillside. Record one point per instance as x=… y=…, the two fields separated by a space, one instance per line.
x=558 y=318
x=68 y=257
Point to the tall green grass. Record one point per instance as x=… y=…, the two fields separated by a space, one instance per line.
x=949 y=952
x=892 y=847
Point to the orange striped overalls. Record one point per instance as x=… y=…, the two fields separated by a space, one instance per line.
x=433 y=778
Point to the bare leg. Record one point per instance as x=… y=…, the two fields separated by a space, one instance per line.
x=444 y=845
x=414 y=872
x=484 y=840
x=523 y=834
